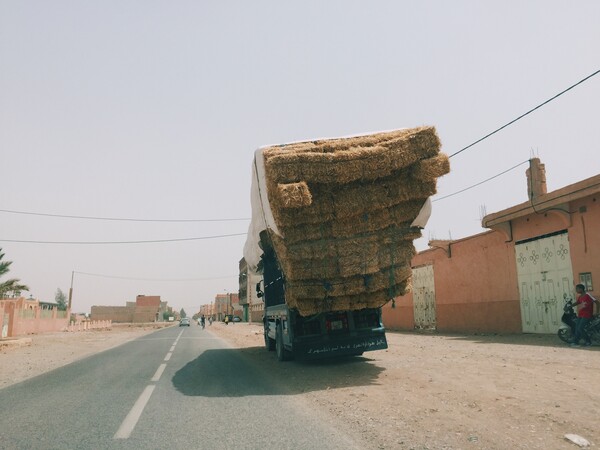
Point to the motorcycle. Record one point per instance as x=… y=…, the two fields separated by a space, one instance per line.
x=566 y=331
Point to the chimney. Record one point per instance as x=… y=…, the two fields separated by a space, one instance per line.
x=536 y=179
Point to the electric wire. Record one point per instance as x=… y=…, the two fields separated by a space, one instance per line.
x=152 y=241
x=481 y=182
x=152 y=279
x=121 y=219
x=525 y=114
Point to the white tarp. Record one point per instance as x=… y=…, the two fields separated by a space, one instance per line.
x=262 y=216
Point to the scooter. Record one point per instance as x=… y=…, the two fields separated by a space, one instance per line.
x=566 y=331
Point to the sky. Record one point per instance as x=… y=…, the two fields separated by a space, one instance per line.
x=153 y=109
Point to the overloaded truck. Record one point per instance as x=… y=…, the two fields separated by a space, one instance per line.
x=332 y=230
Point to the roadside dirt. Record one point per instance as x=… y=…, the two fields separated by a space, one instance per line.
x=431 y=391
x=427 y=391
x=41 y=353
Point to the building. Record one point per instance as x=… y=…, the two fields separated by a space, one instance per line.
x=515 y=277
x=227 y=304
x=146 y=308
x=243 y=289
x=253 y=306
x=20 y=316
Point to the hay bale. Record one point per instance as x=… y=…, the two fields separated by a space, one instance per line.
x=364 y=261
x=344 y=208
x=350 y=159
x=349 y=286
x=344 y=202
x=309 y=306
x=292 y=195
x=368 y=222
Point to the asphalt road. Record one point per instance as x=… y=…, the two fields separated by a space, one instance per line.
x=180 y=387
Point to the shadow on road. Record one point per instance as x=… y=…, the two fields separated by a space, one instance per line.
x=254 y=371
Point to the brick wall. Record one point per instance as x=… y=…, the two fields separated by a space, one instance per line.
x=118 y=314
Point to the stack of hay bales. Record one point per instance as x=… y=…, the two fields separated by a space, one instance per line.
x=344 y=210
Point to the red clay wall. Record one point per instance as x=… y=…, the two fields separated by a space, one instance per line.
x=37 y=324
x=475 y=288
x=584 y=240
x=148 y=300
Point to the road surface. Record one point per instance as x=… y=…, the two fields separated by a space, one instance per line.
x=180 y=387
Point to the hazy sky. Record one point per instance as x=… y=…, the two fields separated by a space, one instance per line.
x=152 y=110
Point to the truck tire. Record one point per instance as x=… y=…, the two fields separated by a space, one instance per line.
x=269 y=343
x=282 y=353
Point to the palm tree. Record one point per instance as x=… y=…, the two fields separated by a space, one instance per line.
x=12 y=285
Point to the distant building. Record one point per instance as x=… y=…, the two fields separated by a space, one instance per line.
x=253 y=306
x=146 y=308
x=228 y=303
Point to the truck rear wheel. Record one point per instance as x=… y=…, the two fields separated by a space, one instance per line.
x=269 y=343
x=282 y=353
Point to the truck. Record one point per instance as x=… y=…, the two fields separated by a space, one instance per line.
x=315 y=336
x=331 y=236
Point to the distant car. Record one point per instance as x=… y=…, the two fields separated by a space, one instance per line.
x=185 y=322
x=236 y=319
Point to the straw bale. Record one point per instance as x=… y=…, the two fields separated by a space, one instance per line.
x=400 y=215
x=367 y=260
x=344 y=209
x=331 y=203
x=346 y=160
x=309 y=306
x=431 y=168
x=292 y=195
x=341 y=247
x=359 y=284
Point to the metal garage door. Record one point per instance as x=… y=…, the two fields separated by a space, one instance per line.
x=545 y=279
x=424 y=297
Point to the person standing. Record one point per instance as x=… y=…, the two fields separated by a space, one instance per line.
x=585 y=308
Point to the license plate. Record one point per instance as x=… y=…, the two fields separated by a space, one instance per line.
x=337 y=325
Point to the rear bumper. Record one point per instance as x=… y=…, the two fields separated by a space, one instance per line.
x=324 y=347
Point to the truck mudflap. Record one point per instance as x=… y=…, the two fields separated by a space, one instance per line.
x=340 y=346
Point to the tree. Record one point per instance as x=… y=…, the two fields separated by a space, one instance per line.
x=182 y=313
x=11 y=286
x=61 y=299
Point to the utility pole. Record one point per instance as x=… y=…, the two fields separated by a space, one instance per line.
x=71 y=290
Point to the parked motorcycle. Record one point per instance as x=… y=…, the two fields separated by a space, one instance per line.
x=566 y=331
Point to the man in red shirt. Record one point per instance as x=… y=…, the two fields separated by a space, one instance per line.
x=585 y=310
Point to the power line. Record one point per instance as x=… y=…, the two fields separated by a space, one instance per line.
x=153 y=279
x=123 y=242
x=122 y=219
x=528 y=112
x=481 y=182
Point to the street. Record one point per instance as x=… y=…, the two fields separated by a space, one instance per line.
x=181 y=387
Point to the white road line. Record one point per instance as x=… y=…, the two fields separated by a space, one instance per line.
x=172 y=348
x=159 y=372
x=168 y=357
x=132 y=418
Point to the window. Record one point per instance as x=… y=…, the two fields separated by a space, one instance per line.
x=585 y=278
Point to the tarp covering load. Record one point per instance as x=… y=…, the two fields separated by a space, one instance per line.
x=342 y=214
